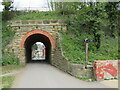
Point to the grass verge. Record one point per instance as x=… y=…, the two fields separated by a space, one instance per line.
x=86 y=79
x=11 y=68
x=7 y=81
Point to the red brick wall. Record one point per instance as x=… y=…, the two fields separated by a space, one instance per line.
x=106 y=69
x=37 y=32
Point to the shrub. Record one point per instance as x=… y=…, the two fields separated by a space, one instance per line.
x=9 y=59
x=74 y=47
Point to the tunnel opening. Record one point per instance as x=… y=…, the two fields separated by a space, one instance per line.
x=31 y=41
x=38 y=51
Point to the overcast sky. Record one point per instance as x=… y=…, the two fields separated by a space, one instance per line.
x=35 y=4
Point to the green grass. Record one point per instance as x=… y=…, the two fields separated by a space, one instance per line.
x=11 y=68
x=112 y=79
x=86 y=79
x=9 y=59
x=74 y=48
x=35 y=15
x=7 y=81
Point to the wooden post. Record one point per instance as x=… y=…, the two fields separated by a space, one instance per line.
x=86 y=51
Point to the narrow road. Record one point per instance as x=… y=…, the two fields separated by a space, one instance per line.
x=43 y=75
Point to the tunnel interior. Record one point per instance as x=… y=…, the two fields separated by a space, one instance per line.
x=31 y=40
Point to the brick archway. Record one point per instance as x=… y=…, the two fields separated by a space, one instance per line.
x=52 y=41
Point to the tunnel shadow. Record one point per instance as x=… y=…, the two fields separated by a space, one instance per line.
x=30 y=41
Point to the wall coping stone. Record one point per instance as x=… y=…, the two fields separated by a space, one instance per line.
x=37 y=23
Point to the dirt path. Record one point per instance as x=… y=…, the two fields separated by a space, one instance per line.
x=42 y=75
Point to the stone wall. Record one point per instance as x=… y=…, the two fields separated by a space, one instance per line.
x=37 y=23
x=77 y=70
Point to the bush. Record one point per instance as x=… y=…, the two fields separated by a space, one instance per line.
x=74 y=47
x=9 y=59
x=8 y=15
x=7 y=34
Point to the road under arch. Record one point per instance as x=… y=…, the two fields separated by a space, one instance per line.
x=37 y=36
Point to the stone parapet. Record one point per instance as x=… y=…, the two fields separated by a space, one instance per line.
x=37 y=23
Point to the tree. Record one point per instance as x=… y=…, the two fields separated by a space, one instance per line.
x=113 y=15
x=7 y=5
x=7 y=13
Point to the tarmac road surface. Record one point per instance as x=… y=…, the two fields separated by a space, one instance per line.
x=43 y=75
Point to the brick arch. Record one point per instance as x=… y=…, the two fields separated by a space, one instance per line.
x=52 y=41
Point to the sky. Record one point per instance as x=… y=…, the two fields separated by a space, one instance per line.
x=28 y=4
x=39 y=43
x=40 y=5
x=1 y=7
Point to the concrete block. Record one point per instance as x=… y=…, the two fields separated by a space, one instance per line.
x=106 y=69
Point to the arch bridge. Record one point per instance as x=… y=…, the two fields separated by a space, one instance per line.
x=28 y=32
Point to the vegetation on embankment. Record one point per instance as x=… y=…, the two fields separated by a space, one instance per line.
x=36 y=15
x=74 y=48
x=95 y=21
x=7 y=35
